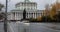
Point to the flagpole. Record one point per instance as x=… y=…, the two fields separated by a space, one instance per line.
x=5 y=21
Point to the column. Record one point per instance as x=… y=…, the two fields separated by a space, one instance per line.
x=36 y=14
x=15 y=15
x=20 y=16
x=11 y=16
x=28 y=15
x=33 y=15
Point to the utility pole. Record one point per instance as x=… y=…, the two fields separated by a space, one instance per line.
x=5 y=21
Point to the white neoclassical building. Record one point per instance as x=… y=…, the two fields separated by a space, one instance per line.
x=31 y=10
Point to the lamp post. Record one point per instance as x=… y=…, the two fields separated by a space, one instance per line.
x=5 y=21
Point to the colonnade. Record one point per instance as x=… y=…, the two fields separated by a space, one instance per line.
x=33 y=15
x=19 y=16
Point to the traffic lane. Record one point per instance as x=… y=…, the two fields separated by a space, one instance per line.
x=33 y=27
x=53 y=26
x=17 y=27
x=41 y=27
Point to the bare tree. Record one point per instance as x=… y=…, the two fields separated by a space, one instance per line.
x=1 y=13
x=1 y=6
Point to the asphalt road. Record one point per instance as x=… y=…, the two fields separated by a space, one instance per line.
x=43 y=27
x=31 y=27
x=35 y=27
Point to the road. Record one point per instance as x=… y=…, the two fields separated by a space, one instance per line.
x=35 y=27
x=43 y=27
x=31 y=27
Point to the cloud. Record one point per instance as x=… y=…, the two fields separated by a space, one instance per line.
x=41 y=3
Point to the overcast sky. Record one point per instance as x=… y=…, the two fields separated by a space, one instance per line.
x=41 y=3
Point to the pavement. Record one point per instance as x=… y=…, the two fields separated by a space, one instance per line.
x=1 y=27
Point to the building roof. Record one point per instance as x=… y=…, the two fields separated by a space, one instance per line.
x=29 y=11
x=26 y=3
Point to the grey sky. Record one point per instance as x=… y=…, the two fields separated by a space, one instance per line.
x=41 y=3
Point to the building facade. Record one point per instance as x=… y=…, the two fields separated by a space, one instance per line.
x=31 y=11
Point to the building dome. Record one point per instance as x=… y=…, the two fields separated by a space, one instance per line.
x=26 y=5
x=26 y=1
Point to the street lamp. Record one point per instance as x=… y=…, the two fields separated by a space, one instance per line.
x=5 y=21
